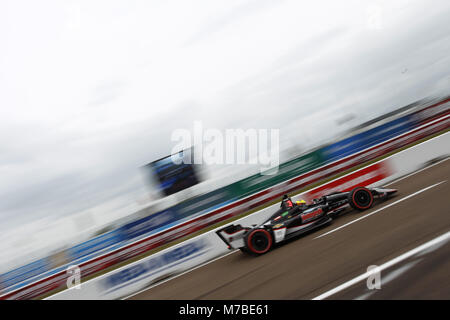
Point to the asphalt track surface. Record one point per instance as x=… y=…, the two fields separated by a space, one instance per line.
x=313 y=265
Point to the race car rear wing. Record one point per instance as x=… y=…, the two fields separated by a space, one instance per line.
x=233 y=236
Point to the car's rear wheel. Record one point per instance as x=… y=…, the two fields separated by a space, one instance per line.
x=360 y=198
x=259 y=241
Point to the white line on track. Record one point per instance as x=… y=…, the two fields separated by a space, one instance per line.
x=389 y=277
x=442 y=238
x=398 y=272
x=378 y=210
x=179 y=275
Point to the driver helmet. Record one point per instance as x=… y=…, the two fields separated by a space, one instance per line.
x=301 y=203
x=287 y=201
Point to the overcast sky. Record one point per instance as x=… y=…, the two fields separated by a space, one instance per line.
x=92 y=90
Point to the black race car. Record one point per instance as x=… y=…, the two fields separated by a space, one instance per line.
x=292 y=220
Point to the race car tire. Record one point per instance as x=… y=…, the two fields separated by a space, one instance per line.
x=259 y=241
x=360 y=198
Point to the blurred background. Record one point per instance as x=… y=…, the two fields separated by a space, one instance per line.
x=91 y=92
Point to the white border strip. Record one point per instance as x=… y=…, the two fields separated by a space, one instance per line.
x=442 y=238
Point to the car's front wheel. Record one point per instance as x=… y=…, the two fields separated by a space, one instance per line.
x=360 y=198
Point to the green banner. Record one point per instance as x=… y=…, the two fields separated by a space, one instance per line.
x=286 y=171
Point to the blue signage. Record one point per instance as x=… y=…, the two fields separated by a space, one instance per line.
x=153 y=265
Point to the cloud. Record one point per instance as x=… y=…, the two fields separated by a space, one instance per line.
x=240 y=11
